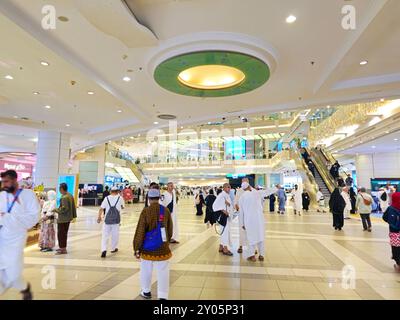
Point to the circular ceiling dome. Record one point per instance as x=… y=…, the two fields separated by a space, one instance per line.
x=212 y=74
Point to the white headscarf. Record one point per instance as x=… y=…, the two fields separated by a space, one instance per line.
x=51 y=195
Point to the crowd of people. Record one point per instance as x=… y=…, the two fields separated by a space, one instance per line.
x=158 y=224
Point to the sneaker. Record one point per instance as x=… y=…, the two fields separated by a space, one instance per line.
x=115 y=250
x=146 y=295
x=27 y=293
x=369 y=230
x=104 y=254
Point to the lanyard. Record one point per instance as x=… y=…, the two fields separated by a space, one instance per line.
x=11 y=205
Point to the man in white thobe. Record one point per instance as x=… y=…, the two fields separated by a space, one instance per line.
x=346 y=196
x=168 y=200
x=242 y=233
x=19 y=212
x=224 y=203
x=252 y=217
x=110 y=229
x=298 y=200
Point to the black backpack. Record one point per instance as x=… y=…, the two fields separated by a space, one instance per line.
x=113 y=215
x=384 y=196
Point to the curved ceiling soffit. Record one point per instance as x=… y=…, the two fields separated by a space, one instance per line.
x=209 y=41
x=115 y=19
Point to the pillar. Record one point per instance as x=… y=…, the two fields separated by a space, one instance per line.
x=52 y=156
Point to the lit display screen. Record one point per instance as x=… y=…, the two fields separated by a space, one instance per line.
x=235 y=149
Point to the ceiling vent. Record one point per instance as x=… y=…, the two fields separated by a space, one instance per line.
x=166 y=117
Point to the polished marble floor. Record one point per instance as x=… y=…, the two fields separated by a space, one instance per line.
x=305 y=259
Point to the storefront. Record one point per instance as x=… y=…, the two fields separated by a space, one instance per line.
x=24 y=170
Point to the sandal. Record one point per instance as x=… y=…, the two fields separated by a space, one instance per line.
x=240 y=250
x=221 y=249
x=261 y=258
x=227 y=253
x=252 y=259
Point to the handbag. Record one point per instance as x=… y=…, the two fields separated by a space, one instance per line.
x=153 y=238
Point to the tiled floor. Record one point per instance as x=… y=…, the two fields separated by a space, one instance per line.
x=305 y=259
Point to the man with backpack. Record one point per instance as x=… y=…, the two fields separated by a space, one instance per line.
x=110 y=213
x=364 y=208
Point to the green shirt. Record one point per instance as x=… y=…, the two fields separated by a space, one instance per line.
x=67 y=210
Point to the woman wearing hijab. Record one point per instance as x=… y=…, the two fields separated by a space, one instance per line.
x=199 y=201
x=392 y=217
x=337 y=205
x=47 y=232
x=272 y=199
x=306 y=200
x=210 y=216
x=353 y=199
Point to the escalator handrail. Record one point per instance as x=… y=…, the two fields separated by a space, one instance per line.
x=323 y=171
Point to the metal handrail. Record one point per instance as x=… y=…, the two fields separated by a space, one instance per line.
x=309 y=182
x=323 y=171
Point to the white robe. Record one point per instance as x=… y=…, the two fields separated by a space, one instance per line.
x=298 y=200
x=252 y=216
x=242 y=233
x=347 y=209
x=218 y=205
x=13 y=233
x=167 y=198
x=384 y=204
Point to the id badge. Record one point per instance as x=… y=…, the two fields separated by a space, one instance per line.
x=163 y=235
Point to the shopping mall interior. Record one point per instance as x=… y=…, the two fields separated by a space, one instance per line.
x=118 y=94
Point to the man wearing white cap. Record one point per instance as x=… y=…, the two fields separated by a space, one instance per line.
x=252 y=219
x=151 y=245
x=242 y=233
x=169 y=201
x=110 y=213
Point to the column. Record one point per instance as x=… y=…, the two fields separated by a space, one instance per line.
x=52 y=156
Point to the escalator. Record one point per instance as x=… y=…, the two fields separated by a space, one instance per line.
x=321 y=163
x=320 y=176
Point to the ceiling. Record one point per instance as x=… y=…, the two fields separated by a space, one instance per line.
x=314 y=61
x=387 y=143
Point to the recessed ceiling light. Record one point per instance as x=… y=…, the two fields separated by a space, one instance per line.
x=119 y=111
x=373 y=147
x=47 y=107
x=15 y=117
x=181 y=127
x=382 y=100
x=396 y=139
x=44 y=63
x=8 y=77
x=36 y=93
x=67 y=125
x=155 y=122
x=291 y=19
x=132 y=137
x=90 y=93
x=363 y=63
x=138 y=135
x=126 y=79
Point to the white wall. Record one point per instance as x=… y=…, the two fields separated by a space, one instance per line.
x=97 y=154
x=377 y=165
